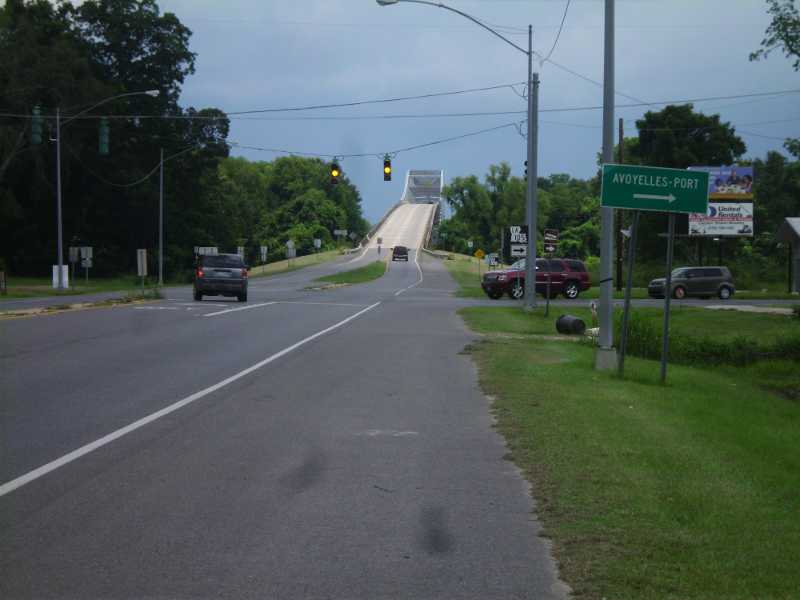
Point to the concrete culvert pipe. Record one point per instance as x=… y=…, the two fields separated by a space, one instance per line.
x=570 y=325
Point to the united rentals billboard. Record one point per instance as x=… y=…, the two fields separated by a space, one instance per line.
x=723 y=219
x=728 y=183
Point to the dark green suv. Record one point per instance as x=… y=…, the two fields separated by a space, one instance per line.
x=702 y=282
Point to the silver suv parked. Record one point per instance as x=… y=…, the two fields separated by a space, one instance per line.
x=702 y=282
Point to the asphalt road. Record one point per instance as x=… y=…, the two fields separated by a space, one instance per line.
x=306 y=444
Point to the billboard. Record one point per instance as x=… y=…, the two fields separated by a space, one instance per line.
x=728 y=183
x=723 y=219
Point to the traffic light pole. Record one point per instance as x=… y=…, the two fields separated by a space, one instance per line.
x=531 y=206
x=58 y=202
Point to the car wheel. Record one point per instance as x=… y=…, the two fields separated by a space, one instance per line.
x=679 y=293
x=198 y=297
x=517 y=290
x=725 y=293
x=571 y=290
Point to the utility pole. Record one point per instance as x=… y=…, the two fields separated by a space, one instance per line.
x=161 y=222
x=58 y=202
x=618 y=228
x=606 y=358
x=531 y=208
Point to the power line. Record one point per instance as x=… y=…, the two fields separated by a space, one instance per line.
x=558 y=35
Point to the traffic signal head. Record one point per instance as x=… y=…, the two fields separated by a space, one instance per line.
x=36 y=126
x=387 y=169
x=526 y=168
x=103 y=140
x=336 y=172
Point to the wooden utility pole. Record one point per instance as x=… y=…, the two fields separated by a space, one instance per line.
x=618 y=220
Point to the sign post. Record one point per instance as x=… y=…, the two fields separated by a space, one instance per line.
x=317 y=244
x=86 y=261
x=638 y=188
x=479 y=254
x=550 y=245
x=74 y=253
x=141 y=265
x=290 y=252
x=623 y=337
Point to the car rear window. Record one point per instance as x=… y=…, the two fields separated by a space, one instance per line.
x=222 y=260
x=576 y=265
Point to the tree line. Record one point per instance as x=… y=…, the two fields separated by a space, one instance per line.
x=68 y=58
x=676 y=137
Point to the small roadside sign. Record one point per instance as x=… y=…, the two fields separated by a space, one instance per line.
x=86 y=251
x=550 y=248
x=141 y=262
x=317 y=243
x=263 y=254
x=340 y=232
x=491 y=259
x=551 y=235
x=73 y=254
x=479 y=254
x=519 y=250
x=470 y=244
x=353 y=235
x=518 y=234
x=380 y=240
x=290 y=244
x=635 y=187
x=86 y=263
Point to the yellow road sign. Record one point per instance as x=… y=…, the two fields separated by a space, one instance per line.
x=479 y=254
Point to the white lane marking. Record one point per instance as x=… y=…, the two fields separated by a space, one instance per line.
x=320 y=303
x=230 y=310
x=421 y=276
x=389 y=432
x=12 y=485
x=156 y=308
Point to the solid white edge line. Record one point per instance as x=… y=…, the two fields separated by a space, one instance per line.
x=421 y=276
x=12 y=485
x=230 y=310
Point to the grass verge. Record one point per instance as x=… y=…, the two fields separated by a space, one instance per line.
x=370 y=272
x=35 y=287
x=464 y=270
x=286 y=266
x=134 y=297
x=684 y=491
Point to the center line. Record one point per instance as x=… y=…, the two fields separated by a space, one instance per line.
x=12 y=485
x=230 y=310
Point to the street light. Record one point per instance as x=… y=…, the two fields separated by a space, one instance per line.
x=152 y=93
x=531 y=207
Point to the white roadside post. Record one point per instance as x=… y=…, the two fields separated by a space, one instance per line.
x=141 y=265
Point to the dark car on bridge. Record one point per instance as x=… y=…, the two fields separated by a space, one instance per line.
x=400 y=253
x=220 y=275
x=567 y=276
x=701 y=282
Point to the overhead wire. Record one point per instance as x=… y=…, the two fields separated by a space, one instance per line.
x=558 y=35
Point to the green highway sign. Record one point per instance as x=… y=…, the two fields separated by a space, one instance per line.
x=654 y=188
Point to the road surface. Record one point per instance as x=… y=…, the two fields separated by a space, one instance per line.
x=306 y=444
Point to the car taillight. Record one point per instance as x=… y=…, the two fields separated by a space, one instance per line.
x=244 y=273
x=199 y=272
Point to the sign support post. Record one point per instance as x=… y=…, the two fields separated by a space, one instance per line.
x=667 y=297
x=623 y=336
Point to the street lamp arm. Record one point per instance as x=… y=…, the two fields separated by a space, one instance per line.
x=153 y=93
x=471 y=18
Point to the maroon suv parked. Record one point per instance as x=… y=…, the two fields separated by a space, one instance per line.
x=567 y=276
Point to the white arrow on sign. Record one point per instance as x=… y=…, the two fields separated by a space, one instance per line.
x=669 y=198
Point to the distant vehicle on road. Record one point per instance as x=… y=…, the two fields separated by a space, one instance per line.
x=400 y=253
x=567 y=276
x=220 y=275
x=702 y=282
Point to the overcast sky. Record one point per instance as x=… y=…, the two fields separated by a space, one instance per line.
x=255 y=54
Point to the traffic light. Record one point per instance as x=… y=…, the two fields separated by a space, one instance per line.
x=336 y=172
x=387 y=168
x=526 y=169
x=103 y=145
x=36 y=126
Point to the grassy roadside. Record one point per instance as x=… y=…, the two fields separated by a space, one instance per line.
x=33 y=287
x=464 y=269
x=370 y=272
x=130 y=298
x=683 y=491
x=285 y=266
